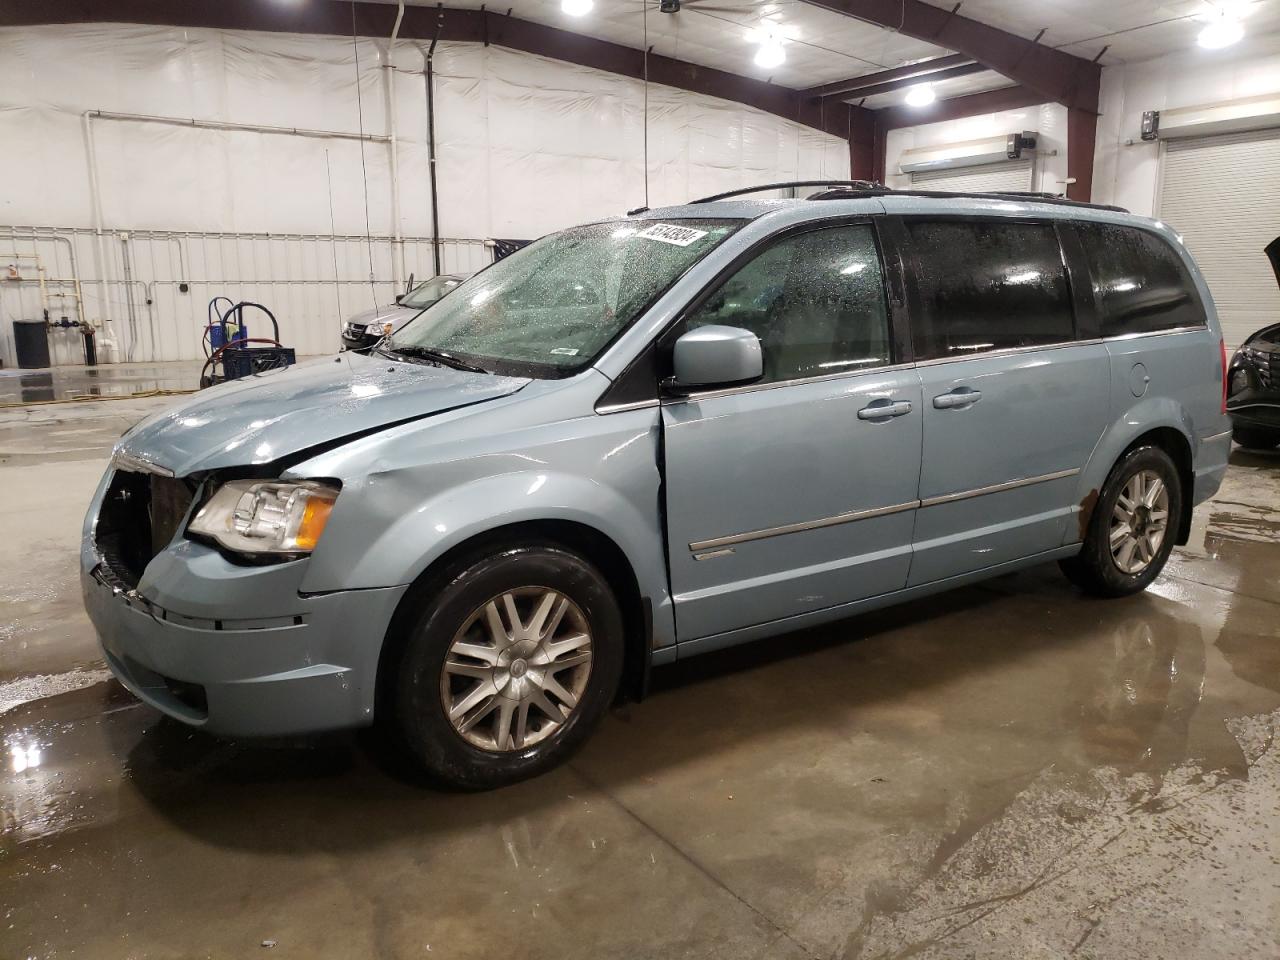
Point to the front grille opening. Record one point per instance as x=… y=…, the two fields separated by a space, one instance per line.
x=140 y=516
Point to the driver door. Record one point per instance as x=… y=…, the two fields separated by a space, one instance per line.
x=795 y=493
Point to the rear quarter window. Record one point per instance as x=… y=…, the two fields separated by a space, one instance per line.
x=1140 y=283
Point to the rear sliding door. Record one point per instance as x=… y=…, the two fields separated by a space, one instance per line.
x=1014 y=398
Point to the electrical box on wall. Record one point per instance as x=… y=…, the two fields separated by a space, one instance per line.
x=1017 y=142
x=1151 y=125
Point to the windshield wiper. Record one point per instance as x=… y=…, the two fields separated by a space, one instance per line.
x=414 y=351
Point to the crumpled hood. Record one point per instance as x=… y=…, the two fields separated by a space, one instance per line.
x=394 y=312
x=271 y=415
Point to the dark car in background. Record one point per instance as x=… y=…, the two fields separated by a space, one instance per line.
x=365 y=329
x=1253 y=381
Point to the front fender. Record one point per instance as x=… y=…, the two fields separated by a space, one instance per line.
x=407 y=547
x=415 y=507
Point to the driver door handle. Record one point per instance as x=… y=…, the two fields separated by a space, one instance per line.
x=957 y=399
x=884 y=408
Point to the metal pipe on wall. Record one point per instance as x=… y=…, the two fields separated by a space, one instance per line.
x=227 y=125
x=128 y=279
x=292 y=270
x=428 y=74
x=35 y=238
x=95 y=207
x=397 y=242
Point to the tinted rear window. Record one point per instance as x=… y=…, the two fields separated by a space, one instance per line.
x=1140 y=282
x=988 y=285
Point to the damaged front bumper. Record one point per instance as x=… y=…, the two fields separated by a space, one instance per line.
x=238 y=650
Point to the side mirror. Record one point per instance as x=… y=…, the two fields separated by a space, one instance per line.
x=717 y=356
x=399 y=297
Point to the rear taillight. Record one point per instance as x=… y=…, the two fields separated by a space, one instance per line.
x=1222 y=348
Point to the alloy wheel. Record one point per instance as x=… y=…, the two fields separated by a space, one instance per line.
x=1139 y=522
x=516 y=669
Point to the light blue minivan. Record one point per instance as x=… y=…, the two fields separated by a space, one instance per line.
x=749 y=416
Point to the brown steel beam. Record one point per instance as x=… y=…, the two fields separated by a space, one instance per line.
x=371 y=19
x=862 y=146
x=1082 y=133
x=912 y=71
x=1055 y=75
x=969 y=105
x=889 y=86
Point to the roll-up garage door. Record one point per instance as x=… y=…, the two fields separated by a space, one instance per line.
x=1223 y=195
x=988 y=178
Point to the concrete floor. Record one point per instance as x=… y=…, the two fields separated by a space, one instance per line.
x=1010 y=770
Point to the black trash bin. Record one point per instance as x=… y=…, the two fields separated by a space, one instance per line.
x=31 y=340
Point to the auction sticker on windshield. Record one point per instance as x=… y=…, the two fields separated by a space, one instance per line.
x=670 y=233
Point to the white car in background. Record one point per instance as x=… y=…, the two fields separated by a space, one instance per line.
x=365 y=329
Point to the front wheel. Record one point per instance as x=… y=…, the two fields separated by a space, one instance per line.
x=1133 y=527
x=509 y=666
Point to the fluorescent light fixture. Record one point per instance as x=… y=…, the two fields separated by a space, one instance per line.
x=577 y=8
x=920 y=95
x=1221 y=32
x=770 y=54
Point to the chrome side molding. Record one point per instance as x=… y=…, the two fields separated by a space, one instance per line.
x=707 y=549
x=998 y=487
x=852 y=517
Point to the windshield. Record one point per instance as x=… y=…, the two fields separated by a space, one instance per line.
x=425 y=294
x=554 y=305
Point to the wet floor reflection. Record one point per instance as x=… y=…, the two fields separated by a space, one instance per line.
x=823 y=779
x=18 y=386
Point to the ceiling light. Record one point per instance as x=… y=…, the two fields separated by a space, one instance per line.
x=577 y=8
x=920 y=95
x=770 y=54
x=1221 y=32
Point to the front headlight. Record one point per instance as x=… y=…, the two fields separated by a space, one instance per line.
x=267 y=516
x=380 y=329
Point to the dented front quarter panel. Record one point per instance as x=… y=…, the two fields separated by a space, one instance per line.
x=413 y=492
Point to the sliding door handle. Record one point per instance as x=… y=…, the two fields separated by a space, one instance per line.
x=957 y=399
x=883 y=409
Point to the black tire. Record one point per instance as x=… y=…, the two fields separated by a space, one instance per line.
x=422 y=720
x=1256 y=438
x=1094 y=569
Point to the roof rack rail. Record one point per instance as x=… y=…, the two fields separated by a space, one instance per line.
x=862 y=189
x=1032 y=195
x=785 y=184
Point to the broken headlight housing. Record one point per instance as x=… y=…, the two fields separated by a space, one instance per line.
x=274 y=517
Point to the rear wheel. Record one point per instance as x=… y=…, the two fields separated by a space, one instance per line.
x=1256 y=438
x=509 y=666
x=1133 y=527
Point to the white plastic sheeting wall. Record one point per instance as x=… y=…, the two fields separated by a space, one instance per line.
x=525 y=145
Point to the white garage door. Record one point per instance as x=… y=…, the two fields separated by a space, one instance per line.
x=988 y=178
x=1223 y=195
